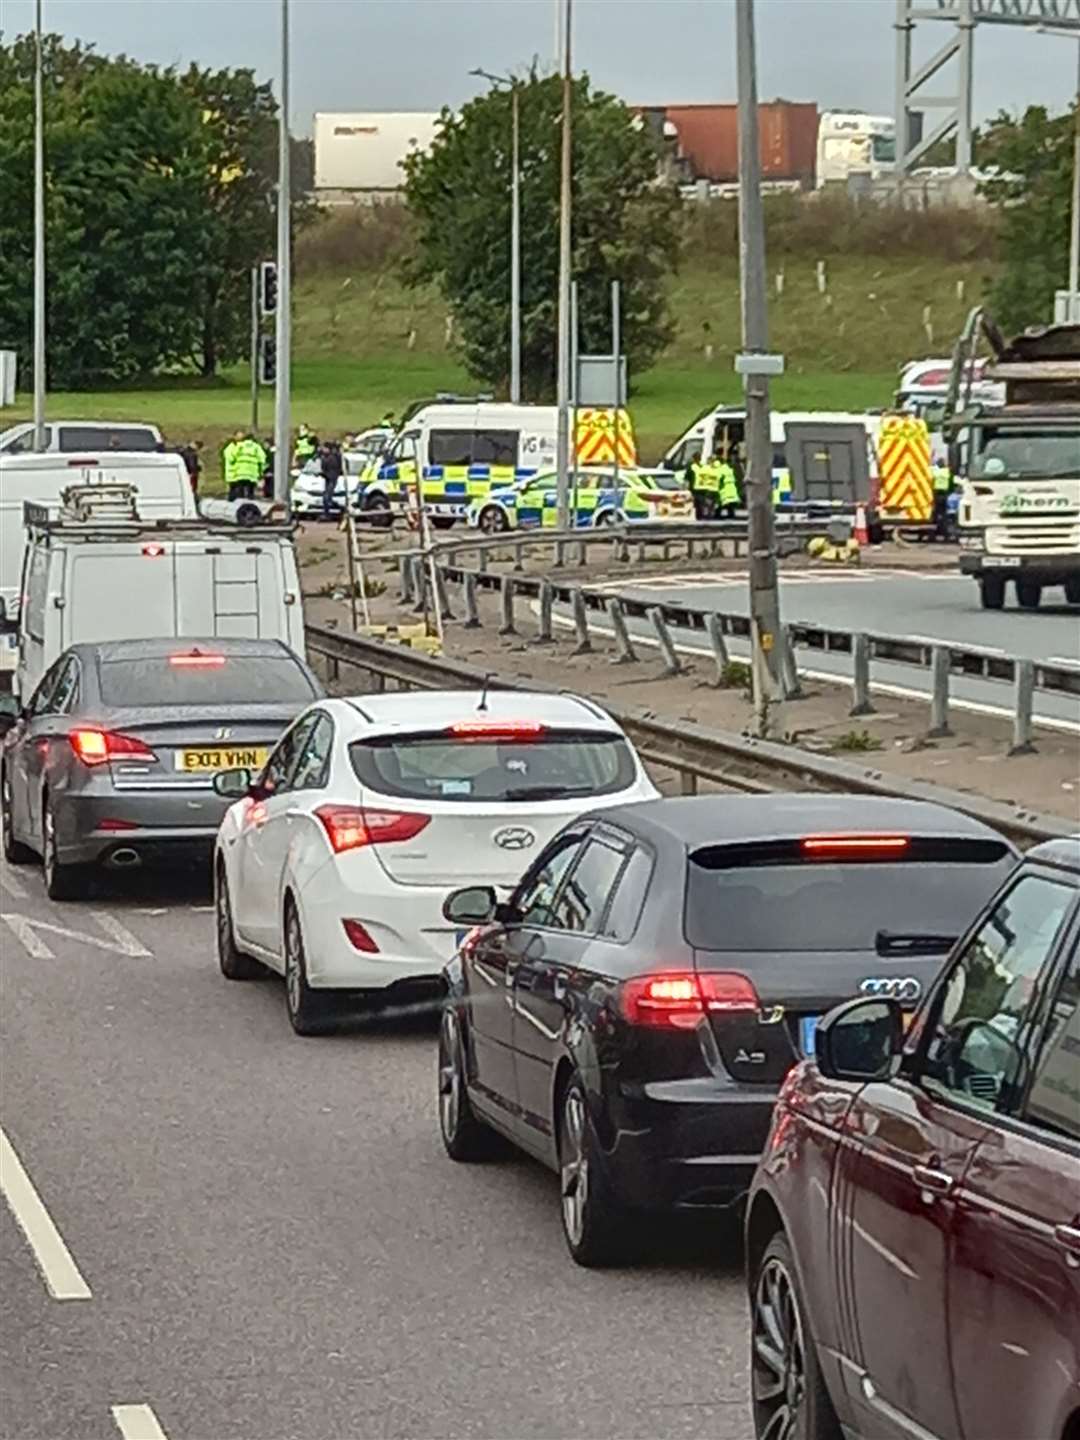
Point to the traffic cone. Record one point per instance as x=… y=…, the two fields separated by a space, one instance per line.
x=862 y=532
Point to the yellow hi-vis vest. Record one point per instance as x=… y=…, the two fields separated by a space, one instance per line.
x=249 y=461
x=942 y=477
x=707 y=477
x=729 y=488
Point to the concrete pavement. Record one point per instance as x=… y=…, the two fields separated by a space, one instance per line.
x=275 y=1245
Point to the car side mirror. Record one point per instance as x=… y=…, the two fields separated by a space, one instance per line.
x=232 y=784
x=474 y=905
x=860 y=1040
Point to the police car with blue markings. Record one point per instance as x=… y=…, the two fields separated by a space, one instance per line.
x=598 y=497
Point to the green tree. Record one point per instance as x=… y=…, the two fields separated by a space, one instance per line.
x=123 y=171
x=625 y=227
x=1034 y=154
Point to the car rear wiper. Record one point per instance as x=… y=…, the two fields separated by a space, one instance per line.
x=545 y=792
x=915 y=942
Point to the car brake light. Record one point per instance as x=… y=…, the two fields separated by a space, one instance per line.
x=348 y=827
x=496 y=729
x=77 y=463
x=868 y=845
x=98 y=747
x=111 y=823
x=153 y=550
x=359 y=938
x=197 y=661
x=679 y=1000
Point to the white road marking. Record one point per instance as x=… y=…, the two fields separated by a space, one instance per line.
x=15 y=888
x=27 y=930
x=137 y=1422
x=62 y=1276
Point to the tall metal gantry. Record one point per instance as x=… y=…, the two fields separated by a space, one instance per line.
x=964 y=16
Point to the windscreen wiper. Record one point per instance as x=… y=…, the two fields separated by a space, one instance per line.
x=914 y=942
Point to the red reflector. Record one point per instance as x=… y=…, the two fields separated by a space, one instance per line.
x=84 y=462
x=197 y=661
x=348 y=826
x=98 y=747
x=855 y=844
x=153 y=550
x=359 y=938
x=110 y=824
x=679 y=1000
x=496 y=729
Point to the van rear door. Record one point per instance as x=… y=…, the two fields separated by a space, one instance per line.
x=119 y=591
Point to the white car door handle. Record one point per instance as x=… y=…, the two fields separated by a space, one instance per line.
x=934 y=1182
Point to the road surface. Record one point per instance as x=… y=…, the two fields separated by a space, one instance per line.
x=925 y=605
x=273 y=1241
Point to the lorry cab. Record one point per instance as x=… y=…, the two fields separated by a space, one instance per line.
x=850 y=142
x=159 y=481
x=90 y=576
x=460 y=449
x=830 y=455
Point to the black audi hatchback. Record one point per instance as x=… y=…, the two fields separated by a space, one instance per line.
x=628 y=1014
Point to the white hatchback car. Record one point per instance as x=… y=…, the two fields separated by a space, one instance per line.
x=333 y=865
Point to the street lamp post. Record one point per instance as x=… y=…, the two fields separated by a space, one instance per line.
x=562 y=387
x=515 y=228
x=39 y=239
x=282 y=420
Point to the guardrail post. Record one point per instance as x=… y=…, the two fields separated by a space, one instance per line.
x=405 y=579
x=625 y=654
x=419 y=583
x=444 y=597
x=666 y=551
x=642 y=550
x=519 y=556
x=481 y=559
x=581 y=622
x=333 y=667
x=1024 y=691
x=861 y=703
x=582 y=559
x=691 y=550
x=789 y=670
x=472 y=608
x=939 y=691
x=719 y=645
x=622 y=550
x=687 y=783
x=544 y=633
x=560 y=554
x=506 y=596
x=667 y=645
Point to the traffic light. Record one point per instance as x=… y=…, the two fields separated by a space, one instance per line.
x=267 y=360
x=267 y=288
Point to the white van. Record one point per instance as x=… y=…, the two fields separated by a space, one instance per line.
x=462 y=448
x=831 y=455
x=104 y=579
x=86 y=437
x=160 y=482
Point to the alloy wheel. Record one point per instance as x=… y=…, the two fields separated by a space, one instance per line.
x=778 y=1371
x=492 y=521
x=450 y=1068
x=574 y=1167
x=293 y=945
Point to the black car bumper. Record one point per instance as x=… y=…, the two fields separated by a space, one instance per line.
x=687 y=1142
x=1050 y=569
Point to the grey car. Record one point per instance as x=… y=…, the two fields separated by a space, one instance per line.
x=111 y=762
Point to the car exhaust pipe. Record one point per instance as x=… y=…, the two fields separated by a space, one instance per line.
x=125 y=858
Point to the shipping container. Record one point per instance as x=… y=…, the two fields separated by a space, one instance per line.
x=708 y=139
x=364 y=151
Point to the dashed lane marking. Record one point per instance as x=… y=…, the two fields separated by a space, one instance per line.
x=137 y=1422
x=62 y=1276
x=28 y=930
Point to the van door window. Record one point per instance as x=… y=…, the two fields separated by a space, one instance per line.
x=24 y=444
x=473 y=447
x=36 y=586
x=495 y=447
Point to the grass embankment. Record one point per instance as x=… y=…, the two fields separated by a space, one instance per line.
x=364 y=343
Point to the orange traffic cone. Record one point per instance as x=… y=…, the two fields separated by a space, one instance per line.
x=862 y=532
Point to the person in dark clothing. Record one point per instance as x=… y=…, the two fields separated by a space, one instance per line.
x=191 y=454
x=332 y=466
x=268 y=470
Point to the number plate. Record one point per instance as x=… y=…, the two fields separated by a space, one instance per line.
x=222 y=757
x=807 y=1029
x=1000 y=562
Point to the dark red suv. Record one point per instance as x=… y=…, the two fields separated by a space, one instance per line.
x=913 y=1231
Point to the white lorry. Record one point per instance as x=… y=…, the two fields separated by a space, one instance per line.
x=95 y=569
x=1019 y=463
x=160 y=482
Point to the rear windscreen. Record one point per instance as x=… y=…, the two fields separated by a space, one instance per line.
x=839 y=905
x=99 y=437
x=544 y=767
x=238 y=680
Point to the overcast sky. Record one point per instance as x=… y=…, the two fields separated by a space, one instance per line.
x=416 y=54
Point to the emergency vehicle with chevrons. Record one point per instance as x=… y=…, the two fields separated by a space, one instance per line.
x=597 y=497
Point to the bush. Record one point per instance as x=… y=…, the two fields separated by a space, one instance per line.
x=355 y=237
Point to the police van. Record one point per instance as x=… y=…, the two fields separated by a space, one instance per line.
x=461 y=449
x=820 y=458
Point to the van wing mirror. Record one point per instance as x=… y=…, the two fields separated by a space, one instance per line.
x=861 y=1040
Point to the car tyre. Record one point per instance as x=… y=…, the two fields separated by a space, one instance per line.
x=1028 y=593
x=234 y=964
x=465 y=1137
x=787 y=1389
x=992 y=592
x=493 y=520
x=15 y=853
x=309 y=1010
x=62 y=882
x=377 y=509
x=604 y=517
x=1072 y=591
x=595 y=1226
